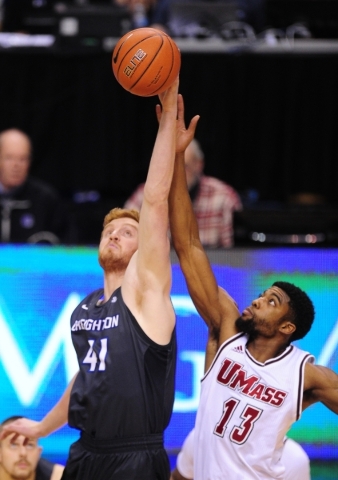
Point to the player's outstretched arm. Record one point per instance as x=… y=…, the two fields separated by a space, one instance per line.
x=212 y=303
x=320 y=385
x=147 y=282
x=56 y=418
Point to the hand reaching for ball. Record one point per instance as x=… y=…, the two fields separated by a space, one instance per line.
x=168 y=98
x=183 y=135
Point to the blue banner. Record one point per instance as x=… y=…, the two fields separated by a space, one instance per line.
x=40 y=286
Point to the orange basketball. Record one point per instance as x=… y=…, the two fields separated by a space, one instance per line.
x=146 y=61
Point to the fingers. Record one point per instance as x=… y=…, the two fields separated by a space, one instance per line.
x=180 y=107
x=27 y=439
x=172 y=90
x=19 y=427
x=158 y=110
x=176 y=83
x=6 y=432
x=193 y=124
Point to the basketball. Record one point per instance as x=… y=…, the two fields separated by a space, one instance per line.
x=146 y=61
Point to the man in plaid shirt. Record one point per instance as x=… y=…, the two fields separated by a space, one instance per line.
x=213 y=201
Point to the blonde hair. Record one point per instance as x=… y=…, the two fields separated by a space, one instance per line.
x=121 y=213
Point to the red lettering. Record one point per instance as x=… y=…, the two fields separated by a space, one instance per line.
x=225 y=380
x=268 y=394
x=278 y=398
x=257 y=391
x=243 y=383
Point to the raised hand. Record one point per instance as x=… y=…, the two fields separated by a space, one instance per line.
x=183 y=135
x=168 y=98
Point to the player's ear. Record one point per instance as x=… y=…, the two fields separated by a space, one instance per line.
x=287 y=328
x=40 y=451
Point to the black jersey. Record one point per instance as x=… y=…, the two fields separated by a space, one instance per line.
x=44 y=469
x=126 y=383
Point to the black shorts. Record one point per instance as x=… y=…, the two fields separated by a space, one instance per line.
x=133 y=459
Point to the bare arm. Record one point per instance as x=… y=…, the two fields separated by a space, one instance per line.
x=211 y=348
x=56 y=418
x=57 y=472
x=212 y=303
x=320 y=385
x=147 y=283
x=185 y=460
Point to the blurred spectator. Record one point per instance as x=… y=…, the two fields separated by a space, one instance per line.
x=147 y=13
x=198 y=18
x=31 y=211
x=213 y=200
x=20 y=460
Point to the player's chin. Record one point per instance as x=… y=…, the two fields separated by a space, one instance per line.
x=245 y=325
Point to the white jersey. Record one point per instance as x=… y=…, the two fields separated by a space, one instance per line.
x=185 y=458
x=294 y=458
x=245 y=410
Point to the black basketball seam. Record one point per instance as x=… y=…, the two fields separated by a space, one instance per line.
x=172 y=65
x=154 y=57
x=150 y=36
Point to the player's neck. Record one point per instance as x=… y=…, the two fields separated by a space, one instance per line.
x=112 y=281
x=263 y=349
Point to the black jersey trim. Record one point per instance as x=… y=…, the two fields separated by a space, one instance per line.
x=306 y=359
x=272 y=360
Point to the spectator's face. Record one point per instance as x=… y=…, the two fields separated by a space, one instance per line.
x=14 y=159
x=193 y=167
x=17 y=460
x=130 y=4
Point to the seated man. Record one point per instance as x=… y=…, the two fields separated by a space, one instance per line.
x=214 y=201
x=20 y=460
x=295 y=459
x=31 y=211
x=147 y=13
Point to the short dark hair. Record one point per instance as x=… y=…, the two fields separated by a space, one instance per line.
x=10 y=419
x=303 y=312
